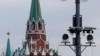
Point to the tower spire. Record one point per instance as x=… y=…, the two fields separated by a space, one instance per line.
x=35 y=12
x=8 y=50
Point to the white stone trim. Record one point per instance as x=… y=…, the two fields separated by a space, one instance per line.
x=43 y=52
x=40 y=39
x=33 y=32
x=33 y=42
x=35 y=52
x=27 y=50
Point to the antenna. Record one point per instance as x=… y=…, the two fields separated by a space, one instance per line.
x=84 y=0
x=80 y=0
x=63 y=0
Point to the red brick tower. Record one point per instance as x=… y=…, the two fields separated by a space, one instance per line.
x=35 y=33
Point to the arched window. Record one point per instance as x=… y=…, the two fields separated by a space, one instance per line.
x=40 y=26
x=31 y=54
x=33 y=25
x=47 y=54
x=39 y=54
x=27 y=27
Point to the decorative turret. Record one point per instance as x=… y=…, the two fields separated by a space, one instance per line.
x=27 y=51
x=35 y=52
x=43 y=52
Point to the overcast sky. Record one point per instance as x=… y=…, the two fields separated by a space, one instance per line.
x=58 y=17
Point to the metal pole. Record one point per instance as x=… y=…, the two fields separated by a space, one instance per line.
x=78 y=45
x=78 y=24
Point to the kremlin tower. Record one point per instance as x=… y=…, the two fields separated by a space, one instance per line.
x=35 y=33
x=35 y=43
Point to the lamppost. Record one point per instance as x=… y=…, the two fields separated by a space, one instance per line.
x=77 y=29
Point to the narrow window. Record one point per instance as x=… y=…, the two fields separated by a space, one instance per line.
x=33 y=26
x=40 y=26
x=27 y=27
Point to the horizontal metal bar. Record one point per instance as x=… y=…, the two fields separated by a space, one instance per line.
x=66 y=45
x=81 y=45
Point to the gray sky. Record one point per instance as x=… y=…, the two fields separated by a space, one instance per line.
x=58 y=17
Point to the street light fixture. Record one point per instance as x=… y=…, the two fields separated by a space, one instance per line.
x=77 y=29
x=89 y=38
x=65 y=38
